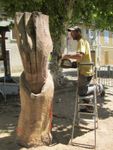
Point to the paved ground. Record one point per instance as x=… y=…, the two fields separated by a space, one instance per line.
x=64 y=100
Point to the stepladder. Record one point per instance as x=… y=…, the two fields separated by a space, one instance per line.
x=85 y=110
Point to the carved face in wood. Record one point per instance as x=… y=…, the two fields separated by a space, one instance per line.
x=35 y=44
x=33 y=37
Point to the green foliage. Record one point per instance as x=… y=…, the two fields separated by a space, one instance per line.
x=56 y=9
x=98 y=12
x=64 y=13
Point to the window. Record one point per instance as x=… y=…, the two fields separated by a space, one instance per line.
x=13 y=34
x=91 y=34
x=106 y=37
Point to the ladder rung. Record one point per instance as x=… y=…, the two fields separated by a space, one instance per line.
x=86 y=97
x=85 y=104
x=87 y=120
x=87 y=113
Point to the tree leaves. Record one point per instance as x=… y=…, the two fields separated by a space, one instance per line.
x=64 y=13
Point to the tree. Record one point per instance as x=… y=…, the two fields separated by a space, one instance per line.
x=36 y=84
x=64 y=13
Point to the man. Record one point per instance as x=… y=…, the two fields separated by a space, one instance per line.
x=83 y=55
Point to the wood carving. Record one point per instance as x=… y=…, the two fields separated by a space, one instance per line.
x=36 y=84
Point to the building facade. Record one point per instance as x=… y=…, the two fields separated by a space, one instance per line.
x=11 y=46
x=101 y=42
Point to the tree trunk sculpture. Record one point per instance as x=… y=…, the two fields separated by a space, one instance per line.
x=36 y=84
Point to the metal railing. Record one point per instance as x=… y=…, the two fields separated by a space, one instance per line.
x=105 y=75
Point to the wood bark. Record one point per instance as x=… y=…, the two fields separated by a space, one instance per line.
x=36 y=84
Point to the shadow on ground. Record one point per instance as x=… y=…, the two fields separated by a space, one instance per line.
x=63 y=115
x=63 y=110
x=9 y=112
x=64 y=103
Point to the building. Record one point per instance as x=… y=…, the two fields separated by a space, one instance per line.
x=11 y=46
x=101 y=42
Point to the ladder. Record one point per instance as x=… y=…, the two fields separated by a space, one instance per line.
x=79 y=102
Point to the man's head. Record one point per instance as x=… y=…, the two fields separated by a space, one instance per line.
x=75 y=32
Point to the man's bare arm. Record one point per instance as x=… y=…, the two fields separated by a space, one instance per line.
x=77 y=56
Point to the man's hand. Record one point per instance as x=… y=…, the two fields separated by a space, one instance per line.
x=77 y=56
x=66 y=56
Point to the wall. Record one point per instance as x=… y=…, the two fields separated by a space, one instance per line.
x=106 y=44
x=15 y=60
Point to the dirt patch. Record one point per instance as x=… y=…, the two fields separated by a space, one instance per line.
x=63 y=110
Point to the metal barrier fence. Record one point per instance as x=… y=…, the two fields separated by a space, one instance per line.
x=105 y=75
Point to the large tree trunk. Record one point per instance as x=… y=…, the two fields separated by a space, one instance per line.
x=60 y=44
x=36 y=84
x=55 y=67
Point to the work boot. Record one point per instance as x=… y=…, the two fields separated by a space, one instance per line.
x=101 y=90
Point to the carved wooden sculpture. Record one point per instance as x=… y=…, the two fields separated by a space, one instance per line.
x=36 y=84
